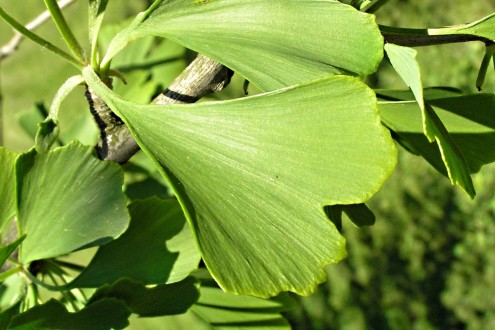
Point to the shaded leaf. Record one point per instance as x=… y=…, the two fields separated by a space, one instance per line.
x=253 y=175
x=157 y=248
x=165 y=299
x=104 y=314
x=359 y=214
x=227 y=311
x=67 y=200
x=403 y=59
x=470 y=120
x=7 y=315
x=7 y=186
x=262 y=39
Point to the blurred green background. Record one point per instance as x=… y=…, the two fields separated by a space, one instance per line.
x=426 y=264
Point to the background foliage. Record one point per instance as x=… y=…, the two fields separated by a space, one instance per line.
x=424 y=265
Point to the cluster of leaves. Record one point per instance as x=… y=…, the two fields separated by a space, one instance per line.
x=253 y=177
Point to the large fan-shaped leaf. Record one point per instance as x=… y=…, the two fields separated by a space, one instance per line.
x=254 y=174
x=67 y=199
x=274 y=43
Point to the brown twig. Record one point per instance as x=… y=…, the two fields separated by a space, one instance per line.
x=202 y=77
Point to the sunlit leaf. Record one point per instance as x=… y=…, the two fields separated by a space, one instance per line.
x=484 y=27
x=96 y=12
x=157 y=248
x=7 y=186
x=6 y=250
x=12 y=291
x=67 y=200
x=273 y=44
x=253 y=175
x=165 y=299
x=101 y=315
x=403 y=59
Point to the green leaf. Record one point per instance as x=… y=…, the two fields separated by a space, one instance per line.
x=273 y=44
x=484 y=28
x=67 y=200
x=165 y=299
x=7 y=186
x=12 y=290
x=226 y=311
x=403 y=59
x=6 y=315
x=96 y=12
x=157 y=248
x=253 y=175
x=48 y=129
x=470 y=120
x=101 y=315
x=6 y=250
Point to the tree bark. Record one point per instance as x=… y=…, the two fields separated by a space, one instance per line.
x=202 y=77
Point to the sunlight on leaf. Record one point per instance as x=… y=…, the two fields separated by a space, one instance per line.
x=7 y=186
x=273 y=44
x=253 y=175
x=484 y=27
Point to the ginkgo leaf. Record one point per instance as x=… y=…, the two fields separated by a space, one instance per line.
x=273 y=44
x=254 y=174
x=484 y=28
x=469 y=119
x=156 y=248
x=7 y=186
x=403 y=59
x=67 y=199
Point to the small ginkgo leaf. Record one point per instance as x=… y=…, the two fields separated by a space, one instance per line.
x=273 y=44
x=67 y=199
x=254 y=174
x=484 y=28
x=403 y=59
x=469 y=119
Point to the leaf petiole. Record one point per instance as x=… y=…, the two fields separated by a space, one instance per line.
x=64 y=29
x=39 y=40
